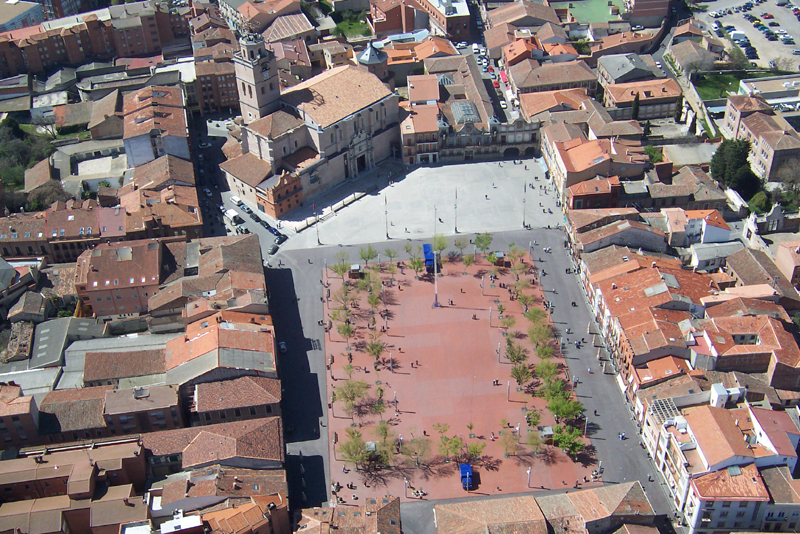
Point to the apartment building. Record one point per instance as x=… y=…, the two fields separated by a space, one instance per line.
x=119 y=278
x=573 y=158
x=142 y=409
x=626 y=68
x=263 y=515
x=131 y=29
x=787 y=260
x=155 y=124
x=529 y=77
x=655 y=99
x=419 y=132
x=19 y=415
x=449 y=18
x=71 y=471
x=594 y=194
x=20 y=14
x=246 y=397
x=754 y=267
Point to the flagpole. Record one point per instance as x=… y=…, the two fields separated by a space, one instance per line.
x=386 y=215
x=455 y=210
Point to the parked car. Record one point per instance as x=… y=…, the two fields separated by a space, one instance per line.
x=265 y=224
x=496 y=84
x=491 y=69
x=273 y=230
x=272 y=250
x=207 y=192
x=205 y=145
x=282 y=347
x=774 y=24
x=281 y=239
x=247 y=209
x=255 y=217
x=637 y=28
x=503 y=104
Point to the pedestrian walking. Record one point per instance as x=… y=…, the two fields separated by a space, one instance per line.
x=486 y=197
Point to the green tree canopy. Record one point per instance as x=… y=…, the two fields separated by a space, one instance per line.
x=569 y=439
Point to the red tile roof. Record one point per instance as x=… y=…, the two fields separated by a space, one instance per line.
x=237 y=393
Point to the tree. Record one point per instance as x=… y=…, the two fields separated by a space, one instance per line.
x=534 y=441
x=409 y=249
x=441 y=428
x=507 y=322
x=346 y=331
x=349 y=370
x=350 y=392
x=737 y=60
x=745 y=182
x=655 y=155
x=439 y=244
x=796 y=319
x=535 y=315
x=564 y=408
x=376 y=348
x=491 y=258
x=342 y=264
x=782 y=63
x=353 y=450
x=516 y=353
x=510 y=444
x=553 y=389
x=383 y=430
x=417 y=265
x=533 y=417
x=569 y=439
x=475 y=449
x=521 y=373
x=367 y=254
x=418 y=447
x=460 y=243
x=379 y=408
x=789 y=174
x=547 y=371
x=540 y=333
x=679 y=108
x=342 y=296
x=729 y=166
x=544 y=352
x=391 y=254
x=467 y=260
x=45 y=195
x=635 y=107
x=483 y=241
x=760 y=203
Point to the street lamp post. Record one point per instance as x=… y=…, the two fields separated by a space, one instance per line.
x=316 y=224
x=386 y=215
x=586 y=426
x=529 y=477
x=435 y=265
x=524 y=198
x=455 y=213
x=405 y=485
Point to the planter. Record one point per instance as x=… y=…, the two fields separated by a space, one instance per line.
x=472 y=436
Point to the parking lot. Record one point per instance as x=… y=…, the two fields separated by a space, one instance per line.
x=783 y=21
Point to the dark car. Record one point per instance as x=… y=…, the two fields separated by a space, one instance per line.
x=281 y=239
x=772 y=37
x=247 y=210
x=272 y=250
x=265 y=224
x=774 y=24
x=255 y=217
x=273 y=230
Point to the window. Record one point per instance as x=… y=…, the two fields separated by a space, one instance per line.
x=208 y=416
x=726 y=504
x=237 y=412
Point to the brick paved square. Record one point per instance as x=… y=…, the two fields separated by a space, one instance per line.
x=453 y=350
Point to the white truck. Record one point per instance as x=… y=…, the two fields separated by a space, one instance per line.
x=233 y=217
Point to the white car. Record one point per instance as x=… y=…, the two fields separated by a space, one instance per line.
x=658 y=64
x=282 y=347
x=207 y=192
x=503 y=104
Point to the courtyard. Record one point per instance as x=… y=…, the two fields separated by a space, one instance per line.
x=588 y=11
x=413 y=389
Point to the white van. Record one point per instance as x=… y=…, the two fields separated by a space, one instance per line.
x=475 y=48
x=236 y=200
